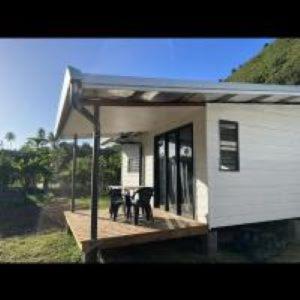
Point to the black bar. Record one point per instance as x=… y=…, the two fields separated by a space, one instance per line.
x=95 y=174
x=74 y=173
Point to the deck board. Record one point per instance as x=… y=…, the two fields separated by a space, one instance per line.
x=123 y=233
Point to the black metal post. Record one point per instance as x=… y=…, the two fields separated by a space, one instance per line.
x=95 y=173
x=74 y=172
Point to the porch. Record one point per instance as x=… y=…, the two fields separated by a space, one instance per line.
x=122 y=233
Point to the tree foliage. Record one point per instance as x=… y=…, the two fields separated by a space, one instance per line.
x=278 y=63
x=10 y=137
x=8 y=173
x=44 y=161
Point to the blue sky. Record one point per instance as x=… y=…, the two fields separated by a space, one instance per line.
x=31 y=71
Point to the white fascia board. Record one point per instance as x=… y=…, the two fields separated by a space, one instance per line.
x=91 y=81
x=70 y=74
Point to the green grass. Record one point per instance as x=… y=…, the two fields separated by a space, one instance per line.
x=39 y=198
x=29 y=234
x=84 y=202
x=53 y=247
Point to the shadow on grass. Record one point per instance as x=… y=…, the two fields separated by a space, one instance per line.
x=32 y=214
x=18 y=216
x=35 y=213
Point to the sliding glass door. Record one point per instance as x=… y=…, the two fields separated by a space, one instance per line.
x=172 y=160
x=161 y=187
x=186 y=170
x=174 y=171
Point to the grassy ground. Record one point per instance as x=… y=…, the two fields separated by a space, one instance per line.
x=51 y=247
x=32 y=230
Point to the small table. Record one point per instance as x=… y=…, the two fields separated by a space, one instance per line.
x=130 y=188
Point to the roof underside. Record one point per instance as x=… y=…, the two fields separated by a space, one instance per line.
x=131 y=104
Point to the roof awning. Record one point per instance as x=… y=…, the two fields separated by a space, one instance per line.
x=125 y=100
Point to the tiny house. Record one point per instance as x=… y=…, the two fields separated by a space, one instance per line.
x=224 y=154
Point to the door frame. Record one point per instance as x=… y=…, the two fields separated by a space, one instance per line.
x=178 y=185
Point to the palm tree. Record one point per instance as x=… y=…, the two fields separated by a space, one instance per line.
x=52 y=140
x=40 y=139
x=10 y=137
x=41 y=133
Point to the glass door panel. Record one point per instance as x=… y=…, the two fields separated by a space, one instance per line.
x=186 y=171
x=172 y=172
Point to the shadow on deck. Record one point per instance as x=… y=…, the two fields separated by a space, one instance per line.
x=122 y=233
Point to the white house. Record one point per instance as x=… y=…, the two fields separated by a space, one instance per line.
x=222 y=153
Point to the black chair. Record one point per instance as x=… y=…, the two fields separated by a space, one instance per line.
x=128 y=204
x=143 y=202
x=116 y=201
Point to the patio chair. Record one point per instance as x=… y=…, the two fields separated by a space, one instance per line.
x=143 y=202
x=128 y=204
x=116 y=201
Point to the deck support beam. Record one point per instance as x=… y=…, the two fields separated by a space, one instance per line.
x=95 y=174
x=212 y=243
x=74 y=172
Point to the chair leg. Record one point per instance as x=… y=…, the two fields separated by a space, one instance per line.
x=151 y=214
x=136 y=214
x=115 y=213
x=147 y=211
x=128 y=212
x=111 y=211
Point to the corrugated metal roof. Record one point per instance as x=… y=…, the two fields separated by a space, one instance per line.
x=147 y=90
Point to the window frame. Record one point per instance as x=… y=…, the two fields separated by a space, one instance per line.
x=237 y=145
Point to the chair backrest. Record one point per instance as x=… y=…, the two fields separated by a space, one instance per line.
x=145 y=194
x=115 y=195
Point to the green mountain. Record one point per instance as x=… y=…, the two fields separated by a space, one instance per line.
x=278 y=62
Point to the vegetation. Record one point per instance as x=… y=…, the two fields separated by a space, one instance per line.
x=43 y=161
x=10 y=137
x=7 y=170
x=53 y=247
x=278 y=63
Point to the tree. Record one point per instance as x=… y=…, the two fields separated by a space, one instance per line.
x=35 y=165
x=52 y=140
x=39 y=139
x=41 y=133
x=7 y=170
x=27 y=166
x=10 y=137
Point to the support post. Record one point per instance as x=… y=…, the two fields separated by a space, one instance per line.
x=74 y=172
x=95 y=173
x=212 y=243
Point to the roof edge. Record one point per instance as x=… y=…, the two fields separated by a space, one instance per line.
x=71 y=73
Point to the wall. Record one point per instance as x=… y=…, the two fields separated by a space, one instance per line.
x=267 y=186
x=200 y=177
x=129 y=151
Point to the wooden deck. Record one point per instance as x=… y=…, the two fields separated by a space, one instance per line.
x=123 y=233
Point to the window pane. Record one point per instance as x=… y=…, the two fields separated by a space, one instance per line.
x=133 y=165
x=229 y=156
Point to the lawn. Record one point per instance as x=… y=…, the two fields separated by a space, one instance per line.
x=32 y=230
x=51 y=247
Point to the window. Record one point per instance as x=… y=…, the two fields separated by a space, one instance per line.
x=229 y=150
x=133 y=165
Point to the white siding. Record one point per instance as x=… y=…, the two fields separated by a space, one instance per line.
x=129 y=151
x=200 y=174
x=267 y=187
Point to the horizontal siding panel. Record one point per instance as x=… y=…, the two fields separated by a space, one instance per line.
x=267 y=187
